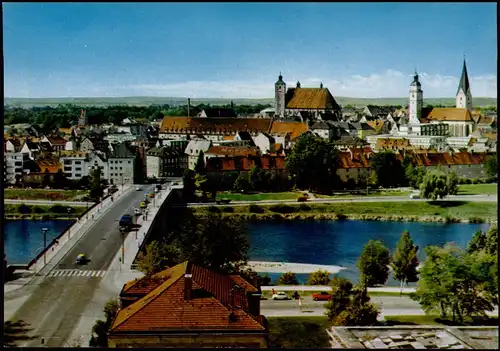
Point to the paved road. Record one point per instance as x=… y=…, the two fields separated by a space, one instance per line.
x=57 y=302
x=473 y=198
x=389 y=306
x=49 y=203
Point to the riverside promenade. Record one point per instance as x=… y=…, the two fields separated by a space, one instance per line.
x=58 y=248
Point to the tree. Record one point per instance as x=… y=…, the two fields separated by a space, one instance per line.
x=349 y=306
x=15 y=332
x=414 y=175
x=242 y=183
x=257 y=178
x=312 y=164
x=200 y=164
x=216 y=242
x=438 y=184
x=388 y=168
x=492 y=167
x=450 y=282
x=95 y=184
x=157 y=257
x=100 y=329
x=189 y=185
x=405 y=261
x=288 y=278
x=46 y=178
x=319 y=278
x=373 y=264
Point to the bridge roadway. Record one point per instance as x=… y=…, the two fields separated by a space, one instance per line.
x=56 y=302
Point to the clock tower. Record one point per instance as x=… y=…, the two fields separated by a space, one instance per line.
x=280 y=90
x=416 y=101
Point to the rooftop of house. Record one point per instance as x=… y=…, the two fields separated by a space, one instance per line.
x=73 y=154
x=310 y=98
x=232 y=151
x=187 y=297
x=123 y=150
x=56 y=140
x=415 y=337
x=449 y=114
x=266 y=162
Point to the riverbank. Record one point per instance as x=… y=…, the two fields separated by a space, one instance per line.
x=417 y=211
x=46 y=194
x=41 y=212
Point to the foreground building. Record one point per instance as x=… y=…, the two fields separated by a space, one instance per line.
x=413 y=337
x=188 y=306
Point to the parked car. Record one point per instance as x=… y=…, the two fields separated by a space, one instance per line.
x=414 y=196
x=137 y=211
x=280 y=296
x=322 y=296
x=143 y=204
x=137 y=188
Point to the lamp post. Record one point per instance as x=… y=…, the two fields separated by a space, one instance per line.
x=45 y=230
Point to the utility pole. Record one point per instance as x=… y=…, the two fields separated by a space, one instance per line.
x=44 y=230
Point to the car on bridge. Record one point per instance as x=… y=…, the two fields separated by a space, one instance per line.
x=81 y=259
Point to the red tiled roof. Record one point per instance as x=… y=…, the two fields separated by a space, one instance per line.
x=311 y=98
x=294 y=128
x=166 y=309
x=214 y=125
x=56 y=140
x=233 y=151
x=449 y=114
x=266 y=162
x=446 y=158
x=356 y=158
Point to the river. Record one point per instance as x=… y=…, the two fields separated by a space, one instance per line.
x=23 y=239
x=340 y=243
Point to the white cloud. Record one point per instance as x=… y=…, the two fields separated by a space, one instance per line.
x=390 y=83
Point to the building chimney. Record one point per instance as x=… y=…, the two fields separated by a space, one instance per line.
x=188 y=282
x=189 y=107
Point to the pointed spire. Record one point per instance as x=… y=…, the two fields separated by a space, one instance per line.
x=464 y=80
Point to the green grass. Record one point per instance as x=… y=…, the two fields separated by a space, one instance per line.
x=287 y=195
x=42 y=194
x=413 y=320
x=477 y=189
x=417 y=209
x=306 y=293
x=298 y=332
x=370 y=194
x=37 y=211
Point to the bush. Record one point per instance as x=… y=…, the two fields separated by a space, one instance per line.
x=341 y=216
x=214 y=209
x=288 y=278
x=304 y=207
x=228 y=209
x=319 y=277
x=38 y=209
x=22 y=208
x=59 y=209
x=45 y=217
x=476 y=220
x=256 y=209
x=468 y=181
x=282 y=209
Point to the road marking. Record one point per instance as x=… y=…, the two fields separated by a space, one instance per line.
x=59 y=273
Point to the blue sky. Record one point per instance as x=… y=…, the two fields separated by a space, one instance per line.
x=237 y=50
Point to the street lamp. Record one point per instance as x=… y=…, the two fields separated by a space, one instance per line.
x=45 y=230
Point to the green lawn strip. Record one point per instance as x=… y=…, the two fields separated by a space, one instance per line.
x=413 y=320
x=42 y=194
x=477 y=189
x=42 y=210
x=370 y=194
x=287 y=195
x=444 y=209
x=299 y=332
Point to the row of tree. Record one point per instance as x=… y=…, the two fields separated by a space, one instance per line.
x=66 y=115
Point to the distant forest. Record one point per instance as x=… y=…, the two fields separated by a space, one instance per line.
x=64 y=116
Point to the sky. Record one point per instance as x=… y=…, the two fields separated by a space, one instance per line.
x=237 y=50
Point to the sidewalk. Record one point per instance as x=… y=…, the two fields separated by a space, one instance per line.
x=117 y=275
x=72 y=235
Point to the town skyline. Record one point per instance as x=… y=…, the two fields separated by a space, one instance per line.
x=238 y=50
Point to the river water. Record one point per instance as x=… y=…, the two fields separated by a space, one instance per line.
x=336 y=243
x=23 y=239
x=340 y=243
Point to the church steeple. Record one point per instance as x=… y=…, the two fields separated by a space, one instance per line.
x=464 y=96
x=416 y=100
x=280 y=90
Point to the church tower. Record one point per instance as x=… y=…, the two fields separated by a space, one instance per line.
x=416 y=101
x=280 y=90
x=464 y=96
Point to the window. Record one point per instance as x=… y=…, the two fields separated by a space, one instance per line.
x=129 y=162
x=78 y=162
x=110 y=167
x=67 y=169
x=78 y=168
x=78 y=175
